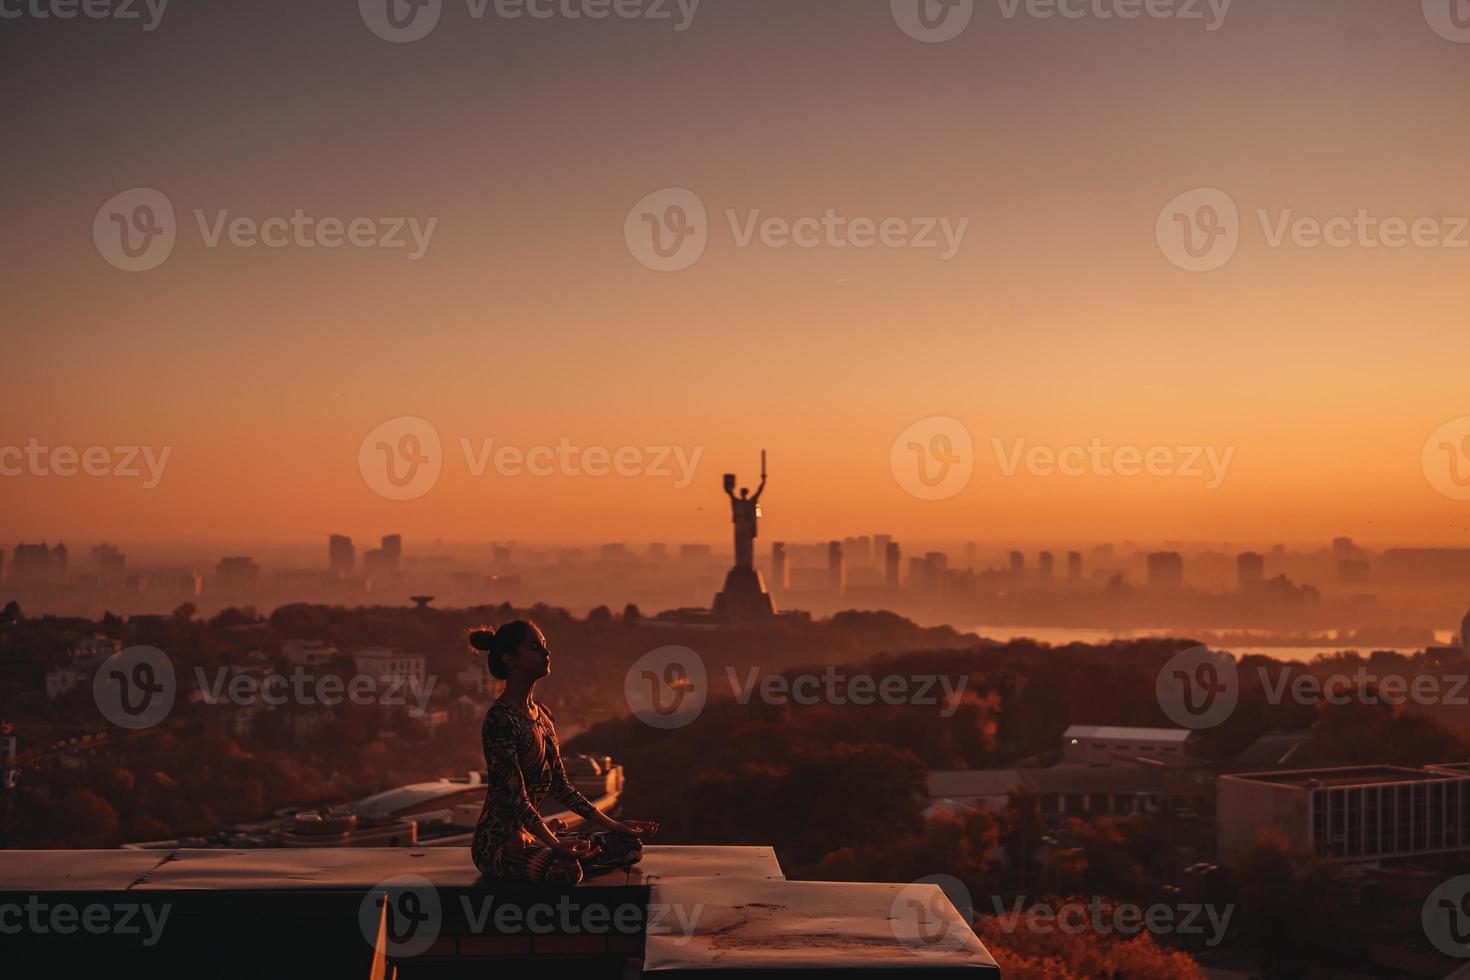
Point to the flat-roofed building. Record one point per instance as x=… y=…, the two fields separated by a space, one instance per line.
x=1357 y=814
x=1099 y=745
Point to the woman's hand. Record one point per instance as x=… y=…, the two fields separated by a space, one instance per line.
x=579 y=849
x=637 y=828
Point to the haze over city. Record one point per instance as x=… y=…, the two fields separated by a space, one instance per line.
x=735 y=485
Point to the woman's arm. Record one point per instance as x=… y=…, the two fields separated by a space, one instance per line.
x=502 y=757
x=562 y=789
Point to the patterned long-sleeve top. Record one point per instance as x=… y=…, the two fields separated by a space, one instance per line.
x=525 y=767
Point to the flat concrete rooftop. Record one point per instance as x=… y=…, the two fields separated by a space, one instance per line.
x=426 y=912
x=1346 y=776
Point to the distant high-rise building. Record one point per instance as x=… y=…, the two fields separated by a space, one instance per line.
x=236 y=574
x=393 y=550
x=1343 y=548
x=859 y=551
x=880 y=546
x=834 y=567
x=500 y=556
x=110 y=565
x=1018 y=564
x=1165 y=571
x=341 y=556
x=658 y=551
x=916 y=575
x=1250 y=571
x=1074 y=566
x=59 y=557
x=1284 y=595
x=615 y=552
x=891 y=558
x=1044 y=563
x=932 y=572
x=695 y=552
x=34 y=566
x=1465 y=634
x=778 y=565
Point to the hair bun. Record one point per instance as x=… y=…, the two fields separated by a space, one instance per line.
x=482 y=639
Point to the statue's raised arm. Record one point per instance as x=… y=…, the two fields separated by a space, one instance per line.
x=762 y=486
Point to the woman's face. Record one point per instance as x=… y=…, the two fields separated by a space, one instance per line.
x=532 y=657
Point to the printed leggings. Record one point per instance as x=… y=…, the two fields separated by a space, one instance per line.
x=538 y=862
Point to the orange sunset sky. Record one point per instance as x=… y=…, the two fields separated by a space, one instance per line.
x=528 y=320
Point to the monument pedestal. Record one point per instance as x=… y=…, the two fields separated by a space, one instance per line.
x=744 y=596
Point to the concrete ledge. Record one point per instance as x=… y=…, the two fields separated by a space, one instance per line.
x=326 y=911
x=778 y=925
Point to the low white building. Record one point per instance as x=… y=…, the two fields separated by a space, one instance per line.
x=1097 y=745
x=391 y=669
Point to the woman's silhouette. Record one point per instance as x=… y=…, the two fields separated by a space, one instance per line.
x=525 y=767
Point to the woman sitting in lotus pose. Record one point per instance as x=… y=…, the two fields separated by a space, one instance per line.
x=512 y=842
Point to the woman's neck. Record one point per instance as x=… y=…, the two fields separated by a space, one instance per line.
x=519 y=694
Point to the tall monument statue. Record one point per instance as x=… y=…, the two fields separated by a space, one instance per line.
x=744 y=595
x=745 y=511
